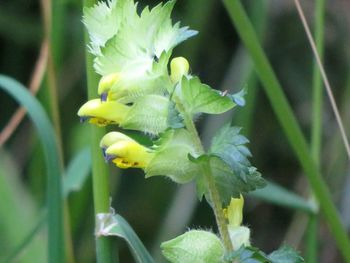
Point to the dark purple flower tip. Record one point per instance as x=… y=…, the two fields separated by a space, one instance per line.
x=104 y=96
x=109 y=157
x=84 y=119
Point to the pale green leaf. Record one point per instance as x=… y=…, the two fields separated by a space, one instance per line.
x=148 y=114
x=199 y=97
x=171 y=157
x=194 y=246
x=141 y=40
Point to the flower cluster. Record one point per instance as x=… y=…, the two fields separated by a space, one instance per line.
x=137 y=91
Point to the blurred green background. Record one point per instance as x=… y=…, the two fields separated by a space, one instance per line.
x=157 y=208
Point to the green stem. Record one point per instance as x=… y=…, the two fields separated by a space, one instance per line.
x=100 y=173
x=316 y=132
x=289 y=123
x=213 y=192
x=317 y=96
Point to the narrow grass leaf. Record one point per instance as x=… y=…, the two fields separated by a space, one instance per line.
x=288 y=122
x=77 y=172
x=278 y=195
x=115 y=225
x=48 y=139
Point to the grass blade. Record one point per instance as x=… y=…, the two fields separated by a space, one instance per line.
x=77 y=172
x=278 y=195
x=115 y=225
x=288 y=122
x=46 y=135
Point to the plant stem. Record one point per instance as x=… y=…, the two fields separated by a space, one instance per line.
x=100 y=173
x=213 y=192
x=289 y=123
x=316 y=132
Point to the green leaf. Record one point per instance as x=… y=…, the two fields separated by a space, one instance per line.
x=171 y=158
x=148 y=114
x=115 y=225
x=230 y=184
x=140 y=40
x=77 y=172
x=49 y=143
x=175 y=121
x=181 y=249
x=102 y=22
x=229 y=145
x=285 y=254
x=248 y=255
x=200 y=97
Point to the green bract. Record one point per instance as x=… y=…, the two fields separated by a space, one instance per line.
x=199 y=97
x=171 y=158
x=194 y=246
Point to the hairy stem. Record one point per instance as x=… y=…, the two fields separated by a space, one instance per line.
x=213 y=191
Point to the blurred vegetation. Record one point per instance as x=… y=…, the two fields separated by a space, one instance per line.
x=156 y=208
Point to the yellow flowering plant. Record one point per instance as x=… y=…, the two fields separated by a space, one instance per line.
x=137 y=91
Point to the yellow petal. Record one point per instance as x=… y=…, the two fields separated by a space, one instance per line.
x=179 y=67
x=113 y=137
x=234 y=212
x=130 y=154
x=107 y=82
x=102 y=113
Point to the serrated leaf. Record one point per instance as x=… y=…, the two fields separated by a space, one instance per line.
x=103 y=21
x=175 y=120
x=229 y=145
x=285 y=254
x=148 y=114
x=140 y=40
x=227 y=182
x=171 y=157
x=230 y=184
x=248 y=255
x=200 y=97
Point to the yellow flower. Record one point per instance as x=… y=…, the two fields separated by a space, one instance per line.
x=106 y=83
x=179 y=67
x=234 y=212
x=103 y=113
x=124 y=151
x=239 y=235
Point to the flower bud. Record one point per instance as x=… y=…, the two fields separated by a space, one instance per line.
x=234 y=212
x=103 y=113
x=106 y=83
x=194 y=246
x=126 y=153
x=179 y=67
